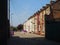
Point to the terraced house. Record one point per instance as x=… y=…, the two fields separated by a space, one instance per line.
x=52 y=21
x=40 y=20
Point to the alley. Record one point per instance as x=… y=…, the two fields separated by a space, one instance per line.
x=21 y=38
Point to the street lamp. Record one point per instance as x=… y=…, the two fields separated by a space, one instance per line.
x=11 y=19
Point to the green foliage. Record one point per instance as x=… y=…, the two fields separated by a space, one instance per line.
x=15 y=29
x=20 y=27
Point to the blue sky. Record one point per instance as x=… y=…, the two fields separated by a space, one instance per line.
x=21 y=10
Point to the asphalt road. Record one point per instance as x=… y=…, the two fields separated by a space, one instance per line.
x=21 y=38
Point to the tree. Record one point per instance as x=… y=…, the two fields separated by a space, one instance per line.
x=15 y=29
x=20 y=27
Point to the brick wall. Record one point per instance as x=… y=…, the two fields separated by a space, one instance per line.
x=52 y=25
x=56 y=10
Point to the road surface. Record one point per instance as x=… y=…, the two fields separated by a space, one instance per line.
x=21 y=38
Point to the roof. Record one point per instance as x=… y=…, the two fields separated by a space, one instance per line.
x=43 y=8
x=34 y=14
x=54 y=2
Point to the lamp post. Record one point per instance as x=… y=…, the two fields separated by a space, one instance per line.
x=11 y=19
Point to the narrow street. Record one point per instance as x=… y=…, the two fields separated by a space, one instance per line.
x=21 y=38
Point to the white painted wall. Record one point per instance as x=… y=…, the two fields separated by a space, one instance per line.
x=48 y=10
x=35 y=24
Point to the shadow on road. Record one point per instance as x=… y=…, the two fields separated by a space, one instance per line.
x=30 y=41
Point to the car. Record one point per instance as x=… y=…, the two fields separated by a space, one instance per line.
x=24 y=31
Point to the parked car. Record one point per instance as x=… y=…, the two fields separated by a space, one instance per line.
x=24 y=31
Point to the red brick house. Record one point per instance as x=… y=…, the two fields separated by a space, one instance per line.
x=52 y=22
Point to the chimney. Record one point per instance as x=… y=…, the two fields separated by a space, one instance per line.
x=57 y=0
x=52 y=1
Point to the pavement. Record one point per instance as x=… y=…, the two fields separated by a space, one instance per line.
x=26 y=35
x=21 y=38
